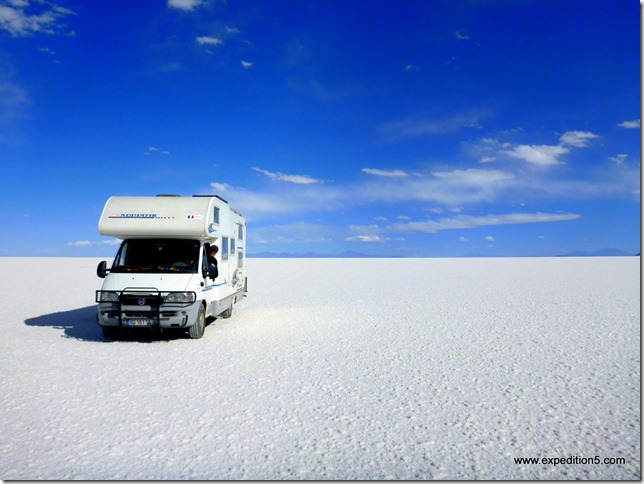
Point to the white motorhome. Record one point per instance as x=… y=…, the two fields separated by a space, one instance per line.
x=161 y=277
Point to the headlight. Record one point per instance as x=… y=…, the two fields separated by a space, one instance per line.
x=107 y=296
x=181 y=297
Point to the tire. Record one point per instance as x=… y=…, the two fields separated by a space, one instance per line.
x=197 y=330
x=228 y=312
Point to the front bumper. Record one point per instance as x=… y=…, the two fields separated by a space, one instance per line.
x=146 y=309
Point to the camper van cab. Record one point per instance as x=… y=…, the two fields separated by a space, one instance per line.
x=161 y=277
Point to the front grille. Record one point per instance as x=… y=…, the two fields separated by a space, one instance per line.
x=129 y=300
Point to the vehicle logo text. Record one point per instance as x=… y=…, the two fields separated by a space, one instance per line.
x=133 y=215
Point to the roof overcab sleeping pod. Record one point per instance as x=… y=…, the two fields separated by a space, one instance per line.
x=165 y=275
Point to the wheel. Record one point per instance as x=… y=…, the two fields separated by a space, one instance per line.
x=196 y=331
x=228 y=312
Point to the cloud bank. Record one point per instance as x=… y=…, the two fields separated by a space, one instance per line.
x=451 y=189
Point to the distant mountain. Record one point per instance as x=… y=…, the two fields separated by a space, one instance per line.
x=312 y=255
x=606 y=252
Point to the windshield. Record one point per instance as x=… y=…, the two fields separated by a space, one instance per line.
x=158 y=256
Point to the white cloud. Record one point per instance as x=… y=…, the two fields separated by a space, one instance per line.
x=450 y=188
x=618 y=159
x=13 y=100
x=608 y=183
x=408 y=128
x=246 y=64
x=462 y=35
x=412 y=68
x=298 y=232
x=469 y=221
x=578 y=139
x=253 y=203
x=298 y=179
x=359 y=229
x=152 y=150
x=80 y=243
x=476 y=177
x=205 y=40
x=485 y=149
x=365 y=238
x=635 y=124
x=377 y=172
x=543 y=155
x=489 y=238
x=22 y=18
x=220 y=187
x=283 y=199
x=184 y=4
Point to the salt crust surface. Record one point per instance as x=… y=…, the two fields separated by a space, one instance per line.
x=331 y=369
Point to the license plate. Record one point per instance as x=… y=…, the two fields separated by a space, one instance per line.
x=141 y=322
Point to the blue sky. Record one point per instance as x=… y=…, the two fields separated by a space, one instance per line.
x=403 y=128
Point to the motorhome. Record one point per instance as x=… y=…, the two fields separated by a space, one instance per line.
x=161 y=277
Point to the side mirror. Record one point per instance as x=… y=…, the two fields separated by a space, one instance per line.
x=102 y=270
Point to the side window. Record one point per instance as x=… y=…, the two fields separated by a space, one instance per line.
x=240 y=262
x=224 y=248
x=232 y=246
x=240 y=234
x=122 y=256
x=216 y=215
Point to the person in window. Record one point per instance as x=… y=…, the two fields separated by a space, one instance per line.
x=213 y=271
